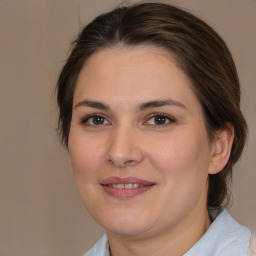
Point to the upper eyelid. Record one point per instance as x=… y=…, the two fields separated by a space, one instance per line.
x=86 y=117
x=148 y=117
x=161 y=114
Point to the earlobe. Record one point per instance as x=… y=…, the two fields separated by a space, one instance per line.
x=221 y=148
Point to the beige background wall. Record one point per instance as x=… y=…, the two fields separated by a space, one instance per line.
x=40 y=212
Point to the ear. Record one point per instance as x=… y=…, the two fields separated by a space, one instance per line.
x=221 y=148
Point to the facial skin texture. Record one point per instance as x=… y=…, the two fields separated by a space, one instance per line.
x=176 y=155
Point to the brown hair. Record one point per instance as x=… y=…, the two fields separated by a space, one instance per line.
x=201 y=53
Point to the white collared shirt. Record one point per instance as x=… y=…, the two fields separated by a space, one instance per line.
x=225 y=237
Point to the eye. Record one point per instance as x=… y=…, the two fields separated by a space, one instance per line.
x=159 y=119
x=95 y=120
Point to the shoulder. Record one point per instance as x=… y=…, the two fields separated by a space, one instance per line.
x=225 y=237
x=252 y=245
x=233 y=237
x=101 y=248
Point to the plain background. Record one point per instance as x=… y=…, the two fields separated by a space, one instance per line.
x=40 y=211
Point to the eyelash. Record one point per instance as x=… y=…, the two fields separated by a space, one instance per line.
x=161 y=115
x=86 y=119
x=170 y=120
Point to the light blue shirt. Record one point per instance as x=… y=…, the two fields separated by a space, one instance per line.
x=225 y=237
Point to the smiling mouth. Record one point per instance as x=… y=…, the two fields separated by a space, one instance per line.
x=126 y=188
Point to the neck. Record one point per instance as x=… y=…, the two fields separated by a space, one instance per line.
x=172 y=242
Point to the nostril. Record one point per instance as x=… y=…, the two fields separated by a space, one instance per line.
x=128 y=162
x=122 y=163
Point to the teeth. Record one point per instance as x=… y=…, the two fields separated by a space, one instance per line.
x=118 y=185
x=131 y=185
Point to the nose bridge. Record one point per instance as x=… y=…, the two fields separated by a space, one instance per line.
x=124 y=148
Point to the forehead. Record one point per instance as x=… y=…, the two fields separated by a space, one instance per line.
x=132 y=72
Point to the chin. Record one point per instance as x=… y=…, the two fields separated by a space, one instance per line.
x=126 y=225
x=128 y=231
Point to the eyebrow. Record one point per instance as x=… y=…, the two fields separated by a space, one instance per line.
x=144 y=106
x=160 y=103
x=92 y=104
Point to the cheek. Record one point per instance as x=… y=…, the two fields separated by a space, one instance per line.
x=183 y=162
x=85 y=155
x=182 y=156
x=86 y=160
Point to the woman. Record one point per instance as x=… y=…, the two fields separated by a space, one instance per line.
x=149 y=105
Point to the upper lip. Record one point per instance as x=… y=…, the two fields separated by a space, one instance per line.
x=127 y=180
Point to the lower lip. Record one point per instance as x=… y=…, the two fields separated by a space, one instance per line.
x=126 y=193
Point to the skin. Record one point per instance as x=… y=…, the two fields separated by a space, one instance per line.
x=176 y=154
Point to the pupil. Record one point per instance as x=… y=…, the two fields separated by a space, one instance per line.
x=98 y=120
x=160 y=120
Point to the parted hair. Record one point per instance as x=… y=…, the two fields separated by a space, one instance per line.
x=200 y=52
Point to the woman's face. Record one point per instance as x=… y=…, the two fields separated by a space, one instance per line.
x=138 y=143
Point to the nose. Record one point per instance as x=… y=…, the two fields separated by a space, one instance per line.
x=124 y=148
